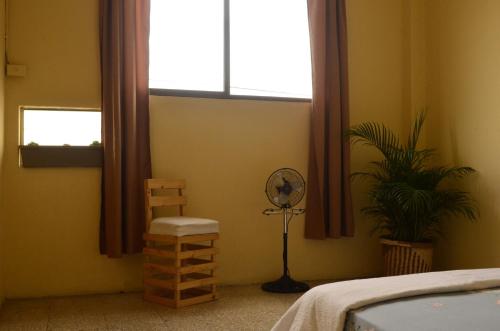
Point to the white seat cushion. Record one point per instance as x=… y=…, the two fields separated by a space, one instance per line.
x=183 y=226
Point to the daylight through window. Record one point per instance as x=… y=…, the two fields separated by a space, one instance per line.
x=59 y=127
x=231 y=47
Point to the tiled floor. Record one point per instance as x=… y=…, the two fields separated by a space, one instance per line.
x=239 y=308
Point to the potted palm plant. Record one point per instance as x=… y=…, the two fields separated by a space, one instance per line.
x=408 y=196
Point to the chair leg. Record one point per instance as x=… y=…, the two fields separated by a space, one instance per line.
x=212 y=272
x=178 y=265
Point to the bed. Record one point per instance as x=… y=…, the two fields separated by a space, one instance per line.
x=461 y=311
x=451 y=300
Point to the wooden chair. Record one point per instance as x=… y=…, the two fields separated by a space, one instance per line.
x=179 y=254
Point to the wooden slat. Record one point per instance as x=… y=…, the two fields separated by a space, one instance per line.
x=158 y=183
x=182 y=255
x=161 y=283
x=197 y=253
x=160 y=238
x=213 y=287
x=199 y=238
x=171 y=284
x=196 y=261
x=161 y=268
x=158 y=252
x=197 y=283
x=192 y=247
x=196 y=300
x=195 y=276
x=178 y=277
x=182 y=270
x=184 y=239
x=167 y=201
x=189 y=297
x=198 y=268
x=194 y=292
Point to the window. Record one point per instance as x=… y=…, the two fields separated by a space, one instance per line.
x=55 y=137
x=230 y=48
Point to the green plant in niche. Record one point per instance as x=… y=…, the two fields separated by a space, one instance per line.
x=409 y=197
x=33 y=144
x=95 y=143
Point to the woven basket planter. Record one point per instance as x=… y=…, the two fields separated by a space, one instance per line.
x=402 y=258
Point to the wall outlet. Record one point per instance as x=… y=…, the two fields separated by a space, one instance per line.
x=16 y=70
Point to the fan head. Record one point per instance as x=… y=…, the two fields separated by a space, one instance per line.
x=285 y=188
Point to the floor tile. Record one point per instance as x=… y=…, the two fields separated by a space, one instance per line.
x=239 y=308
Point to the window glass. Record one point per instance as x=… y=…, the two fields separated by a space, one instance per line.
x=187 y=45
x=61 y=127
x=270 y=51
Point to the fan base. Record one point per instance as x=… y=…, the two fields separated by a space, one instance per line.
x=285 y=285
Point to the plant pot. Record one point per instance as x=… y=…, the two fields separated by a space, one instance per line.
x=402 y=258
x=61 y=156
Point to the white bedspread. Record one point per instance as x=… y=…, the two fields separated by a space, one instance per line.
x=325 y=307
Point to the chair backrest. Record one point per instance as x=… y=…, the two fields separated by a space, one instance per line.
x=153 y=200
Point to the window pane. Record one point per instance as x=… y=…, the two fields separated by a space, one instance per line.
x=187 y=45
x=270 y=51
x=59 y=127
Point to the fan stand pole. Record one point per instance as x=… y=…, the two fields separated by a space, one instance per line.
x=285 y=242
x=285 y=284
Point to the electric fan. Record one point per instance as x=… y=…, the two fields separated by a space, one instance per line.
x=285 y=188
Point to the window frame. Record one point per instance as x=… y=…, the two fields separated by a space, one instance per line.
x=225 y=94
x=48 y=156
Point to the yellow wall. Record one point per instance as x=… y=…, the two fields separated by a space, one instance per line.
x=2 y=112
x=52 y=215
x=464 y=99
x=224 y=148
x=415 y=59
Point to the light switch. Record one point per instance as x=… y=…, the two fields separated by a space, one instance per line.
x=16 y=70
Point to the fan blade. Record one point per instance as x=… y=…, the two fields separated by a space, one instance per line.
x=283 y=199
x=279 y=181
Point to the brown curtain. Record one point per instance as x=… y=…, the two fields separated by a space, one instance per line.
x=124 y=37
x=329 y=205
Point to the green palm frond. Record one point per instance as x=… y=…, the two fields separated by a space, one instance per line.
x=376 y=135
x=457 y=203
x=456 y=172
x=417 y=130
x=407 y=200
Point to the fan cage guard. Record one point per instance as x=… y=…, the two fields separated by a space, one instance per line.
x=290 y=175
